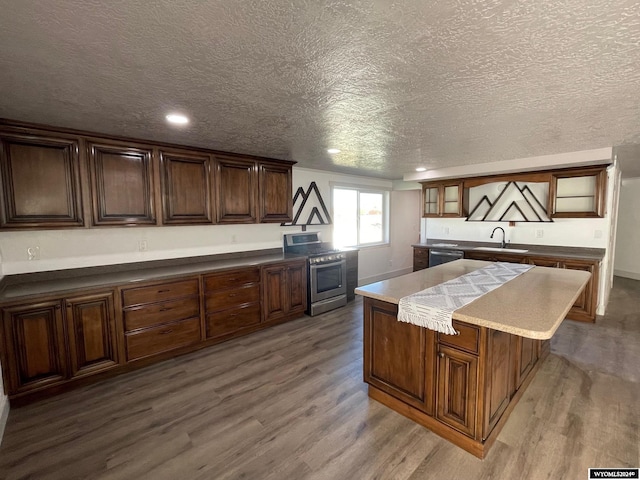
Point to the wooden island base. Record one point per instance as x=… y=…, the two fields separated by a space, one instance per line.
x=462 y=387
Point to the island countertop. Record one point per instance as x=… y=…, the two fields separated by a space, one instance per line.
x=532 y=305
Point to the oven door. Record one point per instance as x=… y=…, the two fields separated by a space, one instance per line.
x=327 y=280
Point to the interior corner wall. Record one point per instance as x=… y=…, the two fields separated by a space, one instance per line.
x=627 y=260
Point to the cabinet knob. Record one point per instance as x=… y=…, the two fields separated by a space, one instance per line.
x=441 y=355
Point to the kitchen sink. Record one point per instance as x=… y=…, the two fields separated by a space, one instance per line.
x=498 y=249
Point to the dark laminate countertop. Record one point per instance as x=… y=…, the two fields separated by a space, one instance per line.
x=551 y=251
x=59 y=282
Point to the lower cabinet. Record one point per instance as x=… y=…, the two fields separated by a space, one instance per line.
x=420 y=258
x=161 y=317
x=457 y=389
x=352 y=273
x=39 y=352
x=93 y=342
x=284 y=290
x=232 y=301
x=460 y=386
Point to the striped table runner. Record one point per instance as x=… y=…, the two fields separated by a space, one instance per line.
x=433 y=307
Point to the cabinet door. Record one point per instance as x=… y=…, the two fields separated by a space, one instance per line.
x=526 y=358
x=276 y=204
x=186 y=188
x=499 y=383
x=122 y=182
x=274 y=296
x=235 y=190
x=396 y=355
x=40 y=182
x=92 y=333
x=352 y=274
x=457 y=389
x=35 y=346
x=584 y=309
x=420 y=258
x=579 y=193
x=431 y=202
x=451 y=201
x=297 y=287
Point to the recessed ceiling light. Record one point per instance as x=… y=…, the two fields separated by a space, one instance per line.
x=421 y=169
x=333 y=150
x=177 y=119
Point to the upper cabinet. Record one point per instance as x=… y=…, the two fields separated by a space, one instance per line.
x=579 y=193
x=122 y=184
x=442 y=199
x=186 y=187
x=54 y=178
x=40 y=182
x=235 y=190
x=275 y=185
x=520 y=197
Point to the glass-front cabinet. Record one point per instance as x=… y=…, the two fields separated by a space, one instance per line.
x=442 y=199
x=579 y=193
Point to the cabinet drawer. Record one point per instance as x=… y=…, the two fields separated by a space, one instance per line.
x=232 y=279
x=227 y=321
x=157 y=313
x=156 y=293
x=162 y=338
x=232 y=297
x=468 y=339
x=421 y=253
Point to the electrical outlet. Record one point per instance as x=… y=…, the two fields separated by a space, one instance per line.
x=539 y=233
x=33 y=253
x=446 y=230
x=142 y=246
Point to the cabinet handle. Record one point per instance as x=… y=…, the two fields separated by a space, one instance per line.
x=441 y=355
x=233 y=294
x=164 y=291
x=164 y=332
x=165 y=309
x=58 y=307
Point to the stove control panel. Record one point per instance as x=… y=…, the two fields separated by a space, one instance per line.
x=327 y=258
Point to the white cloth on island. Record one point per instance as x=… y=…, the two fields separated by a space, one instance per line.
x=433 y=307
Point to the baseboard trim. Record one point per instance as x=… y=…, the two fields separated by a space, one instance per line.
x=625 y=274
x=384 y=276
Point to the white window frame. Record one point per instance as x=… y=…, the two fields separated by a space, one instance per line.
x=386 y=207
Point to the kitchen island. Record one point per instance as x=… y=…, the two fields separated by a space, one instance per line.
x=463 y=387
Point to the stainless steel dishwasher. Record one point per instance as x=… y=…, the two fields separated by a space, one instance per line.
x=437 y=257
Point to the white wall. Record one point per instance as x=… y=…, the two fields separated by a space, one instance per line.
x=627 y=259
x=62 y=249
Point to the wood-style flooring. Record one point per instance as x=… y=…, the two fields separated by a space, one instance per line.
x=289 y=403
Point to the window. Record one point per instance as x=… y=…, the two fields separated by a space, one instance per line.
x=360 y=216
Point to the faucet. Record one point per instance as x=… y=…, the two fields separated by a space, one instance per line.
x=503 y=244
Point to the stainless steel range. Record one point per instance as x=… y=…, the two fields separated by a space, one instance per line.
x=326 y=268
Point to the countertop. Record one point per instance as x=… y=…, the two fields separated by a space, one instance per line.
x=15 y=287
x=550 y=251
x=532 y=305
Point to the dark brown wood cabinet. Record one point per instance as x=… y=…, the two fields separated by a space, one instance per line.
x=284 y=290
x=526 y=352
x=585 y=307
x=122 y=184
x=232 y=301
x=236 y=190
x=395 y=356
x=40 y=185
x=186 y=188
x=457 y=389
x=442 y=199
x=275 y=185
x=161 y=317
x=352 y=273
x=91 y=330
x=35 y=346
x=420 y=258
x=499 y=381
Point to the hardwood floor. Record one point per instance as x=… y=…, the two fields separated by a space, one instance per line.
x=289 y=403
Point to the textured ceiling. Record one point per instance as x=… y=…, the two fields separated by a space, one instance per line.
x=394 y=85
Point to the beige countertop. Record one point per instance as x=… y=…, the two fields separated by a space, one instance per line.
x=22 y=286
x=532 y=305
